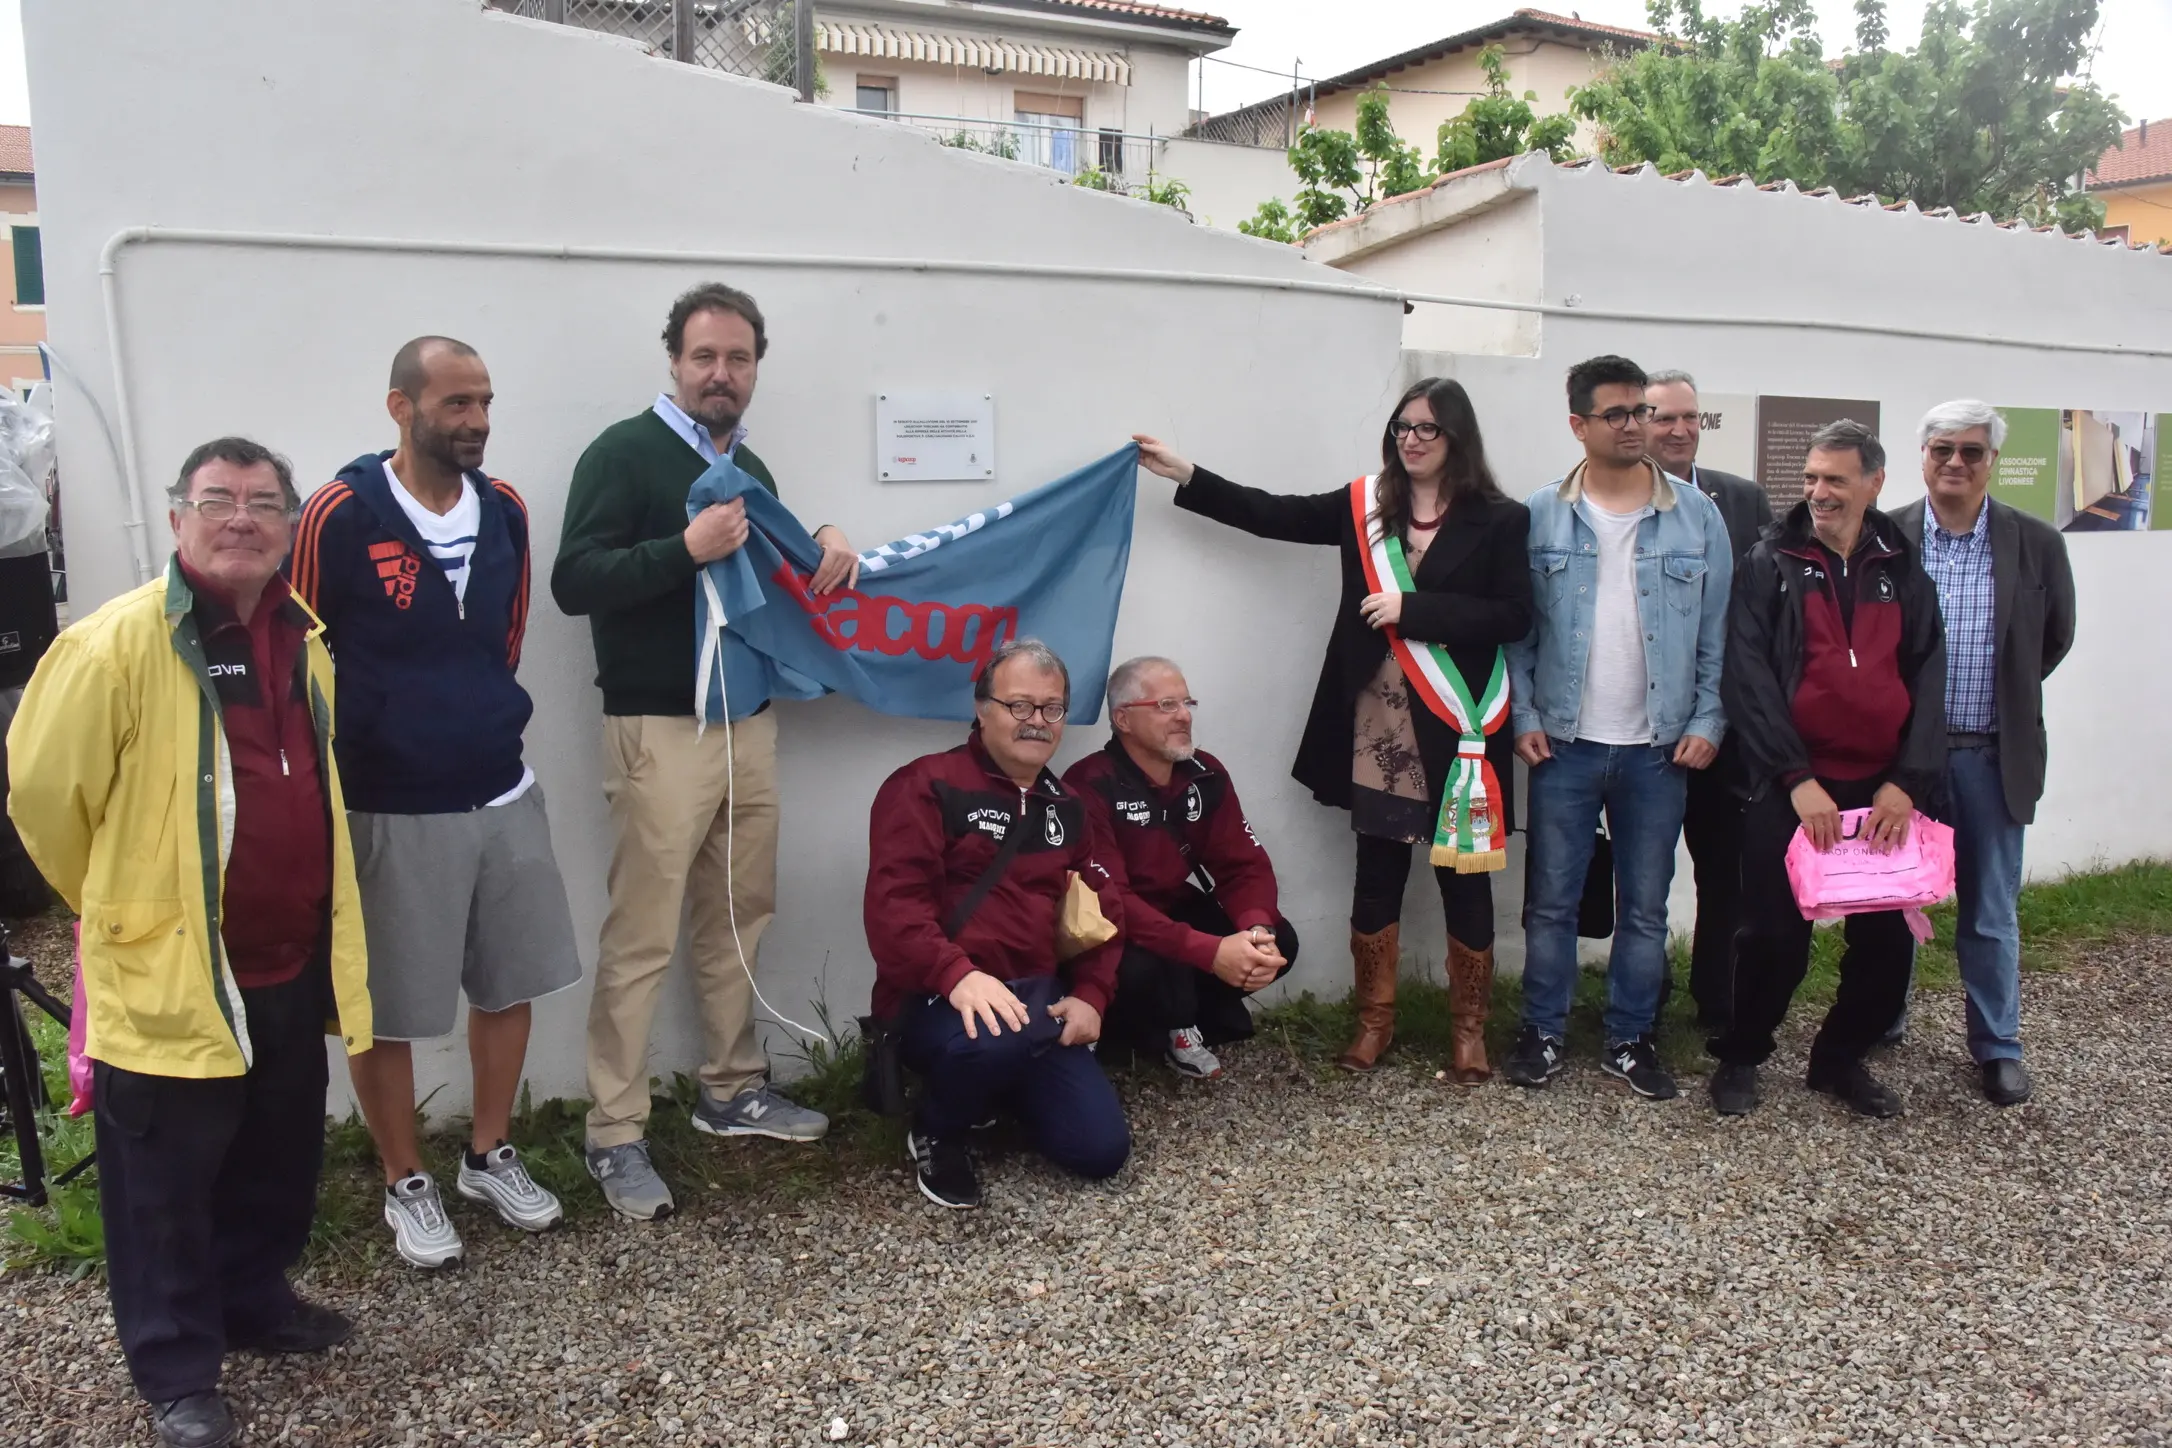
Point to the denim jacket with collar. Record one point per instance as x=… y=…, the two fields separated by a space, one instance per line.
x=1684 y=566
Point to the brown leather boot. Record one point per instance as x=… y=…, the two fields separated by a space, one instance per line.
x=1470 y=1001
x=1374 y=958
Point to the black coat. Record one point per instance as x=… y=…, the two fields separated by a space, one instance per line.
x=1473 y=596
x=2032 y=620
x=1743 y=507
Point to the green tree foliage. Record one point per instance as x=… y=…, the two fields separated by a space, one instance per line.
x=1341 y=172
x=1498 y=124
x=1984 y=115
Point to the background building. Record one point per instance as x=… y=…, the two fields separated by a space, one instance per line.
x=2134 y=181
x=1543 y=52
x=22 y=327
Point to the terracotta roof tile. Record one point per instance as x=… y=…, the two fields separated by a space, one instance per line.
x=15 y=151
x=1152 y=12
x=2144 y=154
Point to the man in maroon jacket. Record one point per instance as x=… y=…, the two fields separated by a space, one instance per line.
x=970 y=857
x=1201 y=925
x=1836 y=688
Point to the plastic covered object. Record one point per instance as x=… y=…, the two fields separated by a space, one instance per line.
x=26 y=461
x=79 y=1065
x=1851 y=878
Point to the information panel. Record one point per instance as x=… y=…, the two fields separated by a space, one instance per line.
x=934 y=437
x=1785 y=426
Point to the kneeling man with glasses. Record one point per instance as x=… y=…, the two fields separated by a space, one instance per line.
x=1202 y=925
x=977 y=859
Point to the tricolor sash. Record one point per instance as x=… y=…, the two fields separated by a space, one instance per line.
x=1469 y=836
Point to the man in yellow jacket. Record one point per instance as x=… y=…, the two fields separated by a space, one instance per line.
x=171 y=774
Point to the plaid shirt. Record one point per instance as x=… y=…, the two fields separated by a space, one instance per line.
x=1960 y=564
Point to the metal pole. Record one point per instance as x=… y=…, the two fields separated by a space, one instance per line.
x=1289 y=112
x=682 y=30
x=555 y=11
x=803 y=48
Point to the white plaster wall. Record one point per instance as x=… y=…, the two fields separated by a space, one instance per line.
x=1646 y=244
x=445 y=121
x=1228 y=182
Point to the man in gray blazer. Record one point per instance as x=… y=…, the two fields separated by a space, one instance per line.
x=1712 y=819
x=2008 y=599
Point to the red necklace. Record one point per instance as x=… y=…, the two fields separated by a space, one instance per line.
x=1427 y=525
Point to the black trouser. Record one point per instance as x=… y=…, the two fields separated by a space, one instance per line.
x=1712 y=827
x=1376 y=901
x=1772 y=952
x=208 y=1188
x=1156 y=995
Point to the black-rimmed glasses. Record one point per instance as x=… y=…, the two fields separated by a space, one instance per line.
x=1424 y=431
x=1025 y=709
x=1620 y=417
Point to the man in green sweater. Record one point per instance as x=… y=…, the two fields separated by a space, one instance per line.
x=695 y=813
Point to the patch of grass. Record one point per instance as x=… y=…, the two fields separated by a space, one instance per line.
x=2060 y=920
x=66 y=1234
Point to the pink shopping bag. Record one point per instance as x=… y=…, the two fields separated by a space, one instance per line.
x=1852 y=878
x=79 y=1065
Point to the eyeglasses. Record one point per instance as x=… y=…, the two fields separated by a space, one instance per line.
x=1024 y=709
x=1425 y=431
x=222 y=510
x=1166 y=706
x=1620 y=417
x=1971 y=453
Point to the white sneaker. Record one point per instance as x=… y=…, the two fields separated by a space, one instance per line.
x=505 y=1184
x=416 y=1214
x=1189 y=1056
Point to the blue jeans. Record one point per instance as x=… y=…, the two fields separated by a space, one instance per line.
x=1643 y=793
x=1987 y=878
x=1059 y=1092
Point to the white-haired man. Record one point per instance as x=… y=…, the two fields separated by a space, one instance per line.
x=1203 y=927
x=2007 y=595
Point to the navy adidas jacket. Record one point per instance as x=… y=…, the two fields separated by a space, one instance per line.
x=429 y=715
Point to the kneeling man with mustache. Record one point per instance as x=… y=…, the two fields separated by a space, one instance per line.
x=971 y=855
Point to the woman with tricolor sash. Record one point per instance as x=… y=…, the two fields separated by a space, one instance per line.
x=1407 y=724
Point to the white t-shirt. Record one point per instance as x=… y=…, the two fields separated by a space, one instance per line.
x=450 y=537
x=1615 y=709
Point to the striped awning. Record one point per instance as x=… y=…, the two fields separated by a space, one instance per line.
x=936 y=47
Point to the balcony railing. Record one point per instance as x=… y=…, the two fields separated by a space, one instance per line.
x=1114 y=160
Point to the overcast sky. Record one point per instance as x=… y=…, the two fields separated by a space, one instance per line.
x=1327 y=39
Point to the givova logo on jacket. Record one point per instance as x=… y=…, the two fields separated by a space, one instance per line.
x=397 y=567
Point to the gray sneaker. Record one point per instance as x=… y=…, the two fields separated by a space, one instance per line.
x=758 y=1111
x=629 y=1180
x=421 y=1230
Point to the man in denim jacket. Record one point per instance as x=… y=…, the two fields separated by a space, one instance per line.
x=1614 y=697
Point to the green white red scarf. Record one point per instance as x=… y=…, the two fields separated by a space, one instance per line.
x=1469 y=836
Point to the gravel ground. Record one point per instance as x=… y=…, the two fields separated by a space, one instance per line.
x=1296 y=1261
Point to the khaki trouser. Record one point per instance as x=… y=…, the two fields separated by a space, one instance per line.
x=673 y=801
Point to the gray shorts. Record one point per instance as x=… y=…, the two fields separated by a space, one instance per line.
x=454 y=902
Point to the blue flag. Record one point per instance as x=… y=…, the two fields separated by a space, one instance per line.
x=928 y=610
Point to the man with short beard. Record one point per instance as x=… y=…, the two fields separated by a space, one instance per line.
x=1202 y=928
x=417 y=561
x=971 y=857
x=695 y=809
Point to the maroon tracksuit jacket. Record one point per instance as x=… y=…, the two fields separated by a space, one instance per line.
x=1162 y=834
x=935 y=828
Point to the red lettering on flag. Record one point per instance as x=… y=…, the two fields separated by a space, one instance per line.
x=873 y=623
